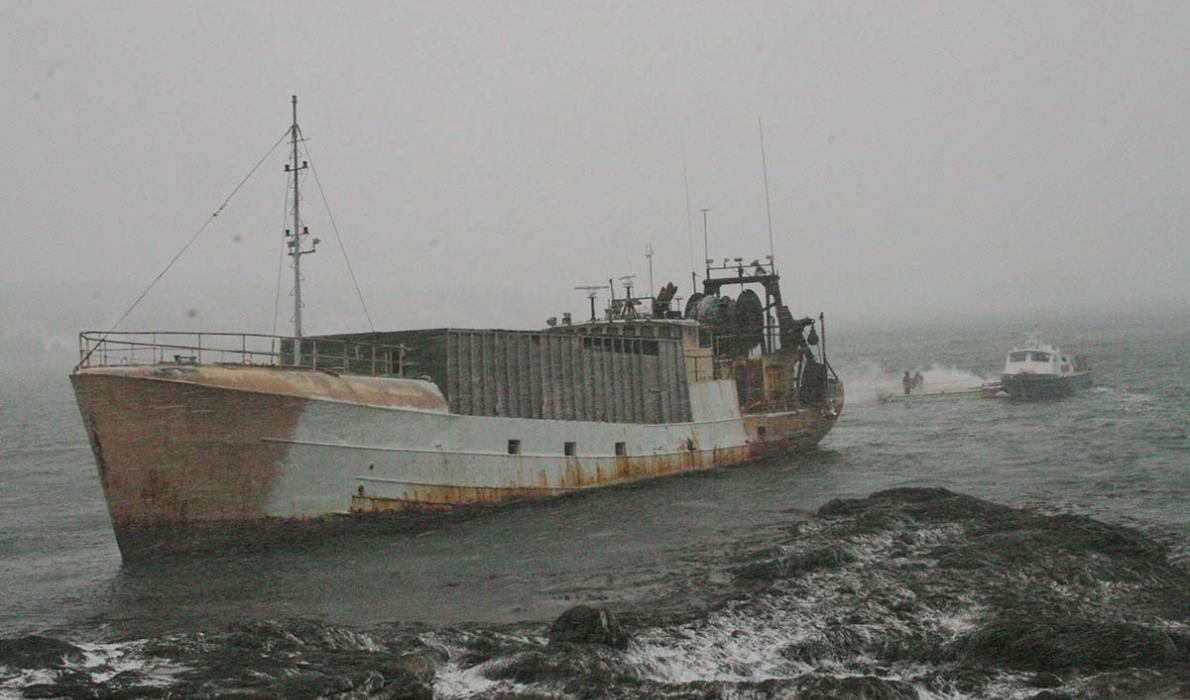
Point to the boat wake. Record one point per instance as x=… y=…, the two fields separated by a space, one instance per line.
x=868 y=382
x=909 y=593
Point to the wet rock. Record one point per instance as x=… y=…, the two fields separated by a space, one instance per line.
x=1045 y=680
x=585 y=671
x=840 y=507
x=811 y=652
x=410 y=677
x=814 y=687
x=297 y=635
x=1030 y=641
x=35 y=651
x=66 y=684
x=584 y=624
x=795 y=565
x=1051 y=695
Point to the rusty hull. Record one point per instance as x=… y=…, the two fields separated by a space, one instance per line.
x=790 y=433
x=187 y=455
x=182 y=445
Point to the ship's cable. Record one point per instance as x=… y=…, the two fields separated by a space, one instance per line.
x=335 y=228
x=214 y=215
x=280 y=259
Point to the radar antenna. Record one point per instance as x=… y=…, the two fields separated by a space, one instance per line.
x=592 y=291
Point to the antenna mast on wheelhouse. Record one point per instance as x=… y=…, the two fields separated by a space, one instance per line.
x=297 y=236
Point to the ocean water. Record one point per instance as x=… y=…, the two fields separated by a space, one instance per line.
x=471 y=600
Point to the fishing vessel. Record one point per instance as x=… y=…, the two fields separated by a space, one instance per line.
x=1039 y=370
x=208 y=439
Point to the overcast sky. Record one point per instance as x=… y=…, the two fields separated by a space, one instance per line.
x=482 y=159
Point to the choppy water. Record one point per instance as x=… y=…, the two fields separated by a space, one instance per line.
x=471 y=600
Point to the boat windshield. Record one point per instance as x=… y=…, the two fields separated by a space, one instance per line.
x=1041 y=357
x=1018 y=356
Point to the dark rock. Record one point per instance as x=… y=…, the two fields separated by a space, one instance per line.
x=795 y=565
x=842 y=507
x=580 y=670
x=584 y=624
x=1033 y=641
x=35 y=651
x=813 y=687
x=1045 y=680
x=410 y=677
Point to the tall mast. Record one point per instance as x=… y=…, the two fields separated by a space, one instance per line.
x=296 y=237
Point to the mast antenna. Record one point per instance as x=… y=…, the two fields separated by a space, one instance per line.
x=768 y=209
x=706 y=246
x=649 y=255
x=297 y=237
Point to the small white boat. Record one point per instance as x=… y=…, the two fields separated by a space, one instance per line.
x=1042 y=371
x=983 y=391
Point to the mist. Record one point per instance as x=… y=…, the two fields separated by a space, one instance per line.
x=480 y=160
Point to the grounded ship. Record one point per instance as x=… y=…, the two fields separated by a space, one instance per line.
x=208 y=439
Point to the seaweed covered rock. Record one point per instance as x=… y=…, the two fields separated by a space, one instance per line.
x=824 y=687
x=1026 y=640
x=585 y=624
x=36 y=651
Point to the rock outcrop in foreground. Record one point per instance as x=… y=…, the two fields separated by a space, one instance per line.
x=907 y=593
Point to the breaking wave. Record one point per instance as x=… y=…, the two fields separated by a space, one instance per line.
x=908 y=593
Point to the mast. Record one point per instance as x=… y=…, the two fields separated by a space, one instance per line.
x=297 y=236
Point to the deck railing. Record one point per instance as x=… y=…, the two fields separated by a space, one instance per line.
x=97 y=349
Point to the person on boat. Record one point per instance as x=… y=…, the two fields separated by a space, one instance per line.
x=918 y=381
x=907 y=382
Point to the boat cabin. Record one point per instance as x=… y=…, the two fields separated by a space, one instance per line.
x=1038 y=358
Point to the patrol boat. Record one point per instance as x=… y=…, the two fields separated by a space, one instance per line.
x=1042 y=371
x=204 y=440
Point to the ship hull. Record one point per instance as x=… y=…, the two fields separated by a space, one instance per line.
x=193 y=458
x=1033 y=387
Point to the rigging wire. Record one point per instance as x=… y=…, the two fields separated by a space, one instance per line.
x=280 y=258
x=335 y=228
x=179 y=254
x=689 y=219
x=768 y=207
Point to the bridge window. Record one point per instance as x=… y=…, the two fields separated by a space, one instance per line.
x=1041 y=357
x=1018 y=357
x=621 y=449
x=514 y=447
x=568 y=449
x=761 y=431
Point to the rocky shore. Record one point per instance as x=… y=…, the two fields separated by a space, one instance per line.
x=908 y=593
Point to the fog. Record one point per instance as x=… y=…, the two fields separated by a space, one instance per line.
x=481 y=160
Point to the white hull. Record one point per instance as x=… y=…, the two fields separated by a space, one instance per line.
x=225 y=445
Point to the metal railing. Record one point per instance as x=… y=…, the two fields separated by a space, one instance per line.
x=126 y=348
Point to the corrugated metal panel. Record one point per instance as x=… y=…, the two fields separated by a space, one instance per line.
x=524 y=374
x=566 y=377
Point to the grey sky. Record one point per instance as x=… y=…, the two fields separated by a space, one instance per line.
x=482 y=159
